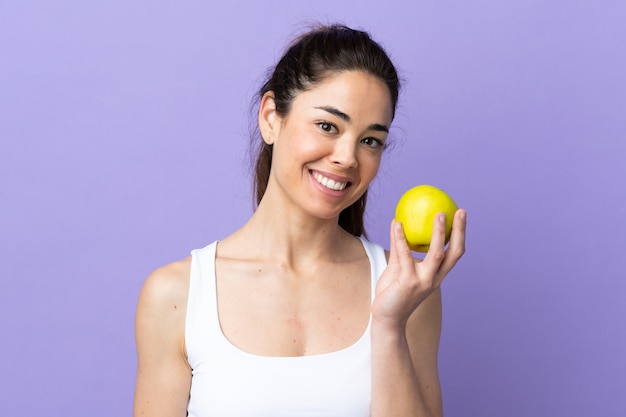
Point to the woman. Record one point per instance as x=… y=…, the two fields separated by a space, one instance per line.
x=295 y=313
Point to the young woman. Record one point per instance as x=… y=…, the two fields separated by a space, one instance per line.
x=296 y=314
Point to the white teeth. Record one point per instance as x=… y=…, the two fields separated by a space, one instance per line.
x=328 y=183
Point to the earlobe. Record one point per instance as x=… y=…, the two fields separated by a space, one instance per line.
x=268 y=119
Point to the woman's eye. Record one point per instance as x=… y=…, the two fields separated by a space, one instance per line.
x=373 y=142
x=327 y=127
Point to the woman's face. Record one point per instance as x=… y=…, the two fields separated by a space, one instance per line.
x=328 y=148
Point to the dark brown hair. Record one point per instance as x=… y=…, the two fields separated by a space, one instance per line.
x=310 y=59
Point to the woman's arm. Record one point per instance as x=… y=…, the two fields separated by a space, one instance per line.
x=404 y=364
x=163 y=374
x=406 y=324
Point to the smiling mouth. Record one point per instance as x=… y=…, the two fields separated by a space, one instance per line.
x=328 y=183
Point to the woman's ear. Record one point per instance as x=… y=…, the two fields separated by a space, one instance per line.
x=269 y=121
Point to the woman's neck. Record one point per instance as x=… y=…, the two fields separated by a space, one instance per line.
x=290 y=237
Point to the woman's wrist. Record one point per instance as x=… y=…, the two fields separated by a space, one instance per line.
x=389 y=332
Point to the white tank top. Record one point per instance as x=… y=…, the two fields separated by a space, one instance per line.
x=228 y=382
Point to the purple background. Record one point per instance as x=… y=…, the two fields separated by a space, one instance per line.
x=123 y=140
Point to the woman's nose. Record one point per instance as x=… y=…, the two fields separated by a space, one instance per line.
x=344 y=153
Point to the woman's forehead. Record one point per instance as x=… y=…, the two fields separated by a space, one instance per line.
x=354 y=93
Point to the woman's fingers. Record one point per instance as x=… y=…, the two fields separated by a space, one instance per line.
x=456 y=248
x=403 y=254
x=418 y=279
x=400 y=259
x=393 y=250
x=436 y=253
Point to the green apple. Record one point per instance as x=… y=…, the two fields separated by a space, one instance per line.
x=416 y=210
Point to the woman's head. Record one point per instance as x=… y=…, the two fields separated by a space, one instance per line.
x=312 y=58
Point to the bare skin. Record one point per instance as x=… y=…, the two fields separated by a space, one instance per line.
x=303 y=280
x=163 y=375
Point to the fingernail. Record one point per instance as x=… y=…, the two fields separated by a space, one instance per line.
x=442 y=218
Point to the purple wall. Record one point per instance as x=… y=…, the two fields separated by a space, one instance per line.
x=123 y=146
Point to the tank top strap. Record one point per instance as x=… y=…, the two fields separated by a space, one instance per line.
x=378 y=261
x=201 y=318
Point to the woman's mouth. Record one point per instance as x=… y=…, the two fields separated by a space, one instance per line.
x=329 y=183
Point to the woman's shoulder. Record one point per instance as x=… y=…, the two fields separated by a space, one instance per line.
x=172 y=274
x=167 y=287
x=160 y=327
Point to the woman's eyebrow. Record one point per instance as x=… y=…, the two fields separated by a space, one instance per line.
x=343 y=116
x=378 y=127
x=336 y=112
